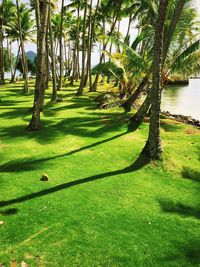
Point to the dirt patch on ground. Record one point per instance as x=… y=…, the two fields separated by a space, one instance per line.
x=169 y=122
x=147 y=119
x=192 y=131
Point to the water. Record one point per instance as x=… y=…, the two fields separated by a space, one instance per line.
x=183 y=100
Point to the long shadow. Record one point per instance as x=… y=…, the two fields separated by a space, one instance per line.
x=191 y=174
x=141 y=161
x=9 y=212
x=93 y=127
x=170 y=127
x=179 y=208
x=190 y=250
x=30 y=164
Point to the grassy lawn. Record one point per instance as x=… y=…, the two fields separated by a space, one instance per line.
x=104 y=204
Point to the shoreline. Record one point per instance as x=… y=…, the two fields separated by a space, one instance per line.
x=181 y=118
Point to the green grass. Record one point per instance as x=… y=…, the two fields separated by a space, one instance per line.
x=103 y=205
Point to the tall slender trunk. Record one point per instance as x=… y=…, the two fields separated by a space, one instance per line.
x=153 y=147
x=40 y=75
x=80 y=89
x=38 y=21
x=53 y=62
x=128 y=29
x=127 y=105
x=88 y=65
x=77 y=74
x=11 y=61
x=15 y=68
x=61 y=47
x=74 y=65
x=2 y=79
x=91 y=42
x=24 y=59
x=168 y=37
x=47 y=60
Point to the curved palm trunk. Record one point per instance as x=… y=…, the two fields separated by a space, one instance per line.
x=61 y=47
x=24 y=60
x=40 y=75
x=129 y=103
x=167 y=40
x=172 y=27
x=2 y=80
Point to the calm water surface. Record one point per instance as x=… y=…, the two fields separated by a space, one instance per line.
x=183 y=100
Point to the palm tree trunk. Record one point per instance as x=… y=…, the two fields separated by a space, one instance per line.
x=127 y=105
x=139 y=116
x=40 y=75
x=172 y=27
x=24 y=60
x=2 y=79
x=77 y=74
x=128 y=29
x=15 y=68
x=80 y=89
x=91 y=41
x=10 y=56
x=153 y=147
x=53 y=62
x=61 y=47
x=47 y=60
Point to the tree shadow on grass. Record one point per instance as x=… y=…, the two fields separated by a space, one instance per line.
x=179 y=208
x=91 y=127
x=191 y=174
x=12 y=113
x=29 y=165
x=141 y=161
x=9 y=212
x=188 y=250
x=170 y=127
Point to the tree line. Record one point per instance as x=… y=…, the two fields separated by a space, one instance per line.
x=165 y=44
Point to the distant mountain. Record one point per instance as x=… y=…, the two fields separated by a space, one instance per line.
x=31 y=55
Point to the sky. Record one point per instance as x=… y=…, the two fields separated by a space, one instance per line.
x=123 y=29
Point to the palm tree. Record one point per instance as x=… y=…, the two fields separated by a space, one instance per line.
x=170 y=32
x=27 y=31
x=153 y=146
x=116 y=7
x=40 y=74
